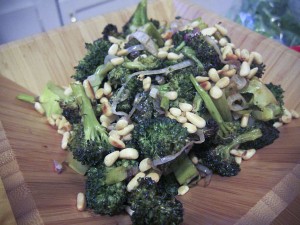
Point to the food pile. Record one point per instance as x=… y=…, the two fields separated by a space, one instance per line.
x=157 y=107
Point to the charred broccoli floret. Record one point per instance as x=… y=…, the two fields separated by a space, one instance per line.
x=106 y=187
x=278 y=92
x=110 y=30
x=144 y=63
x=159 y=137
x=152 y=207
x=94 y=58
x=117 y=76
x=219 y=160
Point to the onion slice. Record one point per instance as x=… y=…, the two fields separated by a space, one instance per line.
x=135 y=48
x=146 y=41
x=240 y=81
x=236 y=102
x=204 y=172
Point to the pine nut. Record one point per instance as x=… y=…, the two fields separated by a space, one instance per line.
x=99 y=93
x=277 y=124
x=61 y=123
x=168 y=42
x=206 y=85
x=251 y=58
x=213 y=75
x=134 y=182
x=106 y=109
x=81 y=202
x=231 y=56
x=65 y=140
x=287 y=112
x=228 y=73
x=226 y=67
x=200 y=79
x=114 y=40
x=252 y=72
x=127 y=137
x=51 y=121
x=107 y=88
x=174 y=56
x=113 y=133
x=185 y=107
x=215 y=92
x=223 y=82
x=169 y=115
x=147 y=83
x=257 y=58
x=121 y=124
x=244 y=121
x=122 y=52
x=117 y=61
x=129 y=153
x=68 y=91
x=113 y=49
x=103 y=100
x=56 y=116
x=249 y=154
x=61 y=132
x=162 y=54
x=191 y=128
x=57 y=121
x=181 y=119
x=221 y=29
x=38 y=107
x=107 y=119
x=195 y=119
x=126 y=130
x=171 y=95
x=295 y=114
x=237 y=52
x=67 y=126
x=245 y=69
x=223 y=41
x=175 y=111
x=238 y=160
x=209 y=31
x=227 y=50
x=244 y=55
x=154 y=176
x=182 y=190
x=88 y=89
x=286 y=119
x=145 y=165
x=111 y=158
x=237 y=152
x=116 y=142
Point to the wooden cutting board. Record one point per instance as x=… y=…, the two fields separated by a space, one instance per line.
x=266 y=185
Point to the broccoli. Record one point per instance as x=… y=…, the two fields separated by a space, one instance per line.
x=110 y=30
x=159 y=137
x=168 y=184
x=144 y=63
x=106 y=187
x=152 y=207
x=144 y=108
x=261 y=69
x=117 y=76
x=218 y=158
x=278 y=92
x=94 y=58
x=89 y=140
x=138 y=19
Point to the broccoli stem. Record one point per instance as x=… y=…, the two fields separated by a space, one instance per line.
x=100 y=74
x=212 y=109
x=92 y=128
x=197 y=102
x=26 y=98
x=180 y=46
x=56 y=90
x=165 y=103
x=139 y=17
x=116 y=175
x=222 y=106
x=151 y=30
x=134 y=65
x=190 y=53
x=184 y=170
x=76 y=165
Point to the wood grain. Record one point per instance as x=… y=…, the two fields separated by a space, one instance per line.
x=28 y=64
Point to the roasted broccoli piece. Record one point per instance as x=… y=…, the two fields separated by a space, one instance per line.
x=152 y=207
x=106 y=187
x=144 y=63
x=261 y=69
x=138 y=19
x=159 y=137
x=144 y=108
x=89 y=140
x=168 y=185
x=269 y=135
x=117 y=76
x=218 y=158
x=110 y=30
x=278 y=92
x=94 y=58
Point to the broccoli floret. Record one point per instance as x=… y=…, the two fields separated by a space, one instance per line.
x=138 y=19
x=94 y=58
x=278 y=92
x=71 y=111
x=106 y=187
x=110 y=30
x=269 y=135
x=89 y=140
x=219 y=159
x=152 y=207
x=144 y=63
x=261 y=69
x=117 y=76
x=159 y=137
x=144 y=108
x=168 y=185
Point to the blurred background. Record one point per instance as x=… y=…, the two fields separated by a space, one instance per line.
x=278 y=19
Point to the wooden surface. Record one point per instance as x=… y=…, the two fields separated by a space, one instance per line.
x=266 y=185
